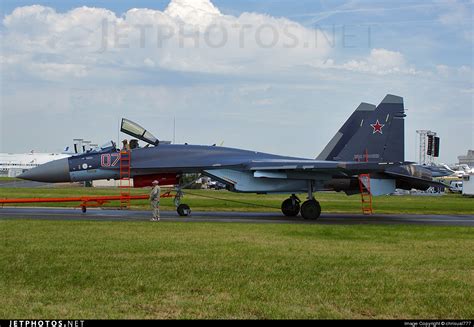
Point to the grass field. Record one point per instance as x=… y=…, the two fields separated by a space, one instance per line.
x=205 y=200
x=86 y=270
x=8 y=179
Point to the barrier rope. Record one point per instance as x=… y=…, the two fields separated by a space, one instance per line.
x=234 y=201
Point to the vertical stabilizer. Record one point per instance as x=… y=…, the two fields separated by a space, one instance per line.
x=378 y=137
x=347 y=131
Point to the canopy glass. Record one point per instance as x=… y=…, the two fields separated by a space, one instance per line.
x=133 y=129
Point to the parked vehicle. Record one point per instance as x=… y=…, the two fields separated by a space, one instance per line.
x=456 y=186
x=214 y=185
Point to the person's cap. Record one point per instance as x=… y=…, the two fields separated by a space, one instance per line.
x=156 y=182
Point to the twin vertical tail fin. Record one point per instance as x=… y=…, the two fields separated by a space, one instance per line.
x=374 y=134
x=347 y=131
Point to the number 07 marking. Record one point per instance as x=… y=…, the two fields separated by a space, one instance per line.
x=109 y=160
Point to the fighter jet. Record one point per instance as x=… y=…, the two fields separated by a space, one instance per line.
x=370 y=142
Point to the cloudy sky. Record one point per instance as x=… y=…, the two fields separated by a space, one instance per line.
x=270 y=75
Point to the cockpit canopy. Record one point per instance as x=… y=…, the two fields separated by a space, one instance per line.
x=133 y=129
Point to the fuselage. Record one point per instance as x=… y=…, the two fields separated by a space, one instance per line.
x=165 y=158
x=228 y=165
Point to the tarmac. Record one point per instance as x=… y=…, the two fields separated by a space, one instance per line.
x=61 y=214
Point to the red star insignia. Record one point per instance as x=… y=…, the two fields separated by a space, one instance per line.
x=377 y=127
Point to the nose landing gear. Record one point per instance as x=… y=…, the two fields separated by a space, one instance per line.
x=183 y=209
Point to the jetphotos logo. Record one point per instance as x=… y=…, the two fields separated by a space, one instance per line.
x=235 y=35
x=46 y=323
x=199 y=24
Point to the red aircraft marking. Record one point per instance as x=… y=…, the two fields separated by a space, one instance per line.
x=377 y=127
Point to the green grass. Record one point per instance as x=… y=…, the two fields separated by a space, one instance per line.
x=8 y=179
x=202 y=200
x=87 y=270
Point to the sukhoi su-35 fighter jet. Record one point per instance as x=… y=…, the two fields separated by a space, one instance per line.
x=370 y=142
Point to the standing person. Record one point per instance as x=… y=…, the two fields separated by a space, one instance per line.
x=155 y=200
x=126 y=146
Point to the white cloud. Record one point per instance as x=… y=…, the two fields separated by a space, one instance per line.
x=456 y=13
x=39 y=29
x=381 y=62
x=463 y=73
x=378 y=62
x=189 y=36
x=263 y=102
x=196 y=12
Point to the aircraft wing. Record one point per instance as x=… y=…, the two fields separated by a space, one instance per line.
x=264 y=167
x=308 y=168
x=316 y=165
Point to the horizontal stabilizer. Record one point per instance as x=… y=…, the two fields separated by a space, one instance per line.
x=418 y=183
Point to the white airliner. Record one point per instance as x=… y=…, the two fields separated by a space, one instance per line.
x=462 y=170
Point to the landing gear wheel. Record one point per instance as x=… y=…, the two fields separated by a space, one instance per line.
x=184 y=210
x=84 y=209
x=311 y=210
x=290 y=208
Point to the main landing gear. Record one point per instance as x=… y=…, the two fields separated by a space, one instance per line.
x=310 y=210
x=291 y=207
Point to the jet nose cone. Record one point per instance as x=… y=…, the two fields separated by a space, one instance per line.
x=52 y=172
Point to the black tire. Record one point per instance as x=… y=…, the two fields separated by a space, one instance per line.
x=311 y=210
x=84 y=209
x=184 y=210
x=289 y=209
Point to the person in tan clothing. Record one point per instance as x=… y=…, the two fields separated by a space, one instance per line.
x=125 y=145
x=155 y=200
